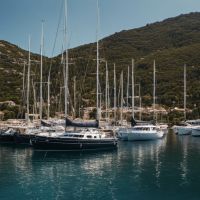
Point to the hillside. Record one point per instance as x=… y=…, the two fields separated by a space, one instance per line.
x=172 y=43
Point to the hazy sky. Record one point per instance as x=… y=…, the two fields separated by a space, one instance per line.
x=19 y=18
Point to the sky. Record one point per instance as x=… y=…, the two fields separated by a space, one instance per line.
x=21 y=18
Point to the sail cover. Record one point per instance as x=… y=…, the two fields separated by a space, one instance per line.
x=138 y=122
x=92 y=124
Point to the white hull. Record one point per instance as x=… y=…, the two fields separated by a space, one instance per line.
x=196 y=132
x=140 y=132
x=184 y=130
x=122 y=134
x=134 y=136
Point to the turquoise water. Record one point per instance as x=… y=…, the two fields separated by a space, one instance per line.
x=163 y=169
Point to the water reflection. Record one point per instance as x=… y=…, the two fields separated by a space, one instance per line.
x=144 y=157
x=82 y=170
x=184 y=143
x=140 y=170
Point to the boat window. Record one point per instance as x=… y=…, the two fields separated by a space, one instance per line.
x=78 y=136
x=145 y=129
x=95 y=136
x=89 y=136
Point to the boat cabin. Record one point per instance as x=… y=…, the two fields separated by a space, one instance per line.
x=145 y=128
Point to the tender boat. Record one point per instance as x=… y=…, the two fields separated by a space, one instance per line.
x=144 y=132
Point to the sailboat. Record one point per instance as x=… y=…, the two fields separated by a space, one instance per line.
x=14 y=132
x=143 y=131
x=186 y=127
x=162 y=126
x=85 y=136
x=122 y=132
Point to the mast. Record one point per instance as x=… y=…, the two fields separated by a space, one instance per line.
x=41 y=71
x=97 y=103
x=114 y=94
x=106 y=99
x=140 y=99
x=122 y=91
x=74 y=96
x=133 y=91
x=127 y=92
x=185 y=85
x=48 y=99
x=108 y=96
x=28 y=79
x=34 y=99
x=154 y=88
x=23 y=87
x=66 y=61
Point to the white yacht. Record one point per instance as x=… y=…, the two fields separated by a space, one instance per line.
x=143 y=132
x=186 y=127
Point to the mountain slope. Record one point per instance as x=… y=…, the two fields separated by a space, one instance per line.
x=172 y=43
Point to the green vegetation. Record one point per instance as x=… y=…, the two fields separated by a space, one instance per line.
x=172 y=43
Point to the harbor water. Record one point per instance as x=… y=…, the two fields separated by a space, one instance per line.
x=164 y=169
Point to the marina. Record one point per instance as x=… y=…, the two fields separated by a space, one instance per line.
x=98 y=100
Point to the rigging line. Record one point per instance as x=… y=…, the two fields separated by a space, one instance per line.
x=59 y=21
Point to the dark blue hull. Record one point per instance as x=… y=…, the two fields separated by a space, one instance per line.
x=23 y=138
x=6 y=138
x=65 y=144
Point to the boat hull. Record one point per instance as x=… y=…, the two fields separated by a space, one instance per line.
x=60 y=144
x=137 y=136
x=122 y=134
x=7 y=136
x=196 y=132
x=23 y=138
x=7 y=139
x=184 y=130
